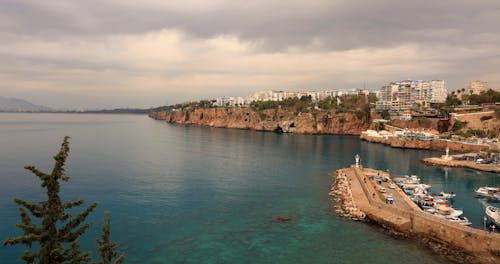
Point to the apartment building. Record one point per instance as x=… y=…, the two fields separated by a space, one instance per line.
x=409 y=94
x=477 y=86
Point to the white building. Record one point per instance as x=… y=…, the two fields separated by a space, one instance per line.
x=476 y=87
x=230 y=101
x=272 y=95
x=408 y=94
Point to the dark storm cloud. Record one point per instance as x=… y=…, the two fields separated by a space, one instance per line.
x=333 y=25
x=137 y=53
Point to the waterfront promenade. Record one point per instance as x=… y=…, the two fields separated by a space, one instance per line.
x=405 y=217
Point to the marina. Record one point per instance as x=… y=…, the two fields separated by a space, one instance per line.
x=410 y=209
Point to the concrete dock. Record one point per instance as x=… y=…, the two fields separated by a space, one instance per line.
x=404 y=216
x=437 y=161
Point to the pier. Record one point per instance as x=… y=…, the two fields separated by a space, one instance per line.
x=358 y=196
x=440 y=161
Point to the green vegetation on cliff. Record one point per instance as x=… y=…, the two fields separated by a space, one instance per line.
x=358 y=104
x=187 y=105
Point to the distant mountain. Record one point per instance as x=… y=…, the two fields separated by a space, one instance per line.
x=19 y=105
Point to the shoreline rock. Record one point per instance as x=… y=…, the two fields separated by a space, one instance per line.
x=344 y=202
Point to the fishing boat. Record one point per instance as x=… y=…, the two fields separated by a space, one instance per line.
x=493 y=213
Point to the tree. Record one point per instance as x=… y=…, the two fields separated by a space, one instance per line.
x=108 y=249
x=59 y=231
x=386 y=115
x=453 y=100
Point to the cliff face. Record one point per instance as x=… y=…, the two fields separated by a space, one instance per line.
x=268 y=120
x=416 y=123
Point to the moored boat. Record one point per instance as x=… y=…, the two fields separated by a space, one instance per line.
x=445 y=196
x=462 y=220
x=493 y=214
x=486 y=191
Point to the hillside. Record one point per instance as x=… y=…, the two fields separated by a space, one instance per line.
x=19 y=105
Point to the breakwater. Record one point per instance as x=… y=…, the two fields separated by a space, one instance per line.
x=459 y=243
x=437 y=161
x=435 y=144
x=279 y=120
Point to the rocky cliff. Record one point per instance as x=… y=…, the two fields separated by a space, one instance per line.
x=269 y=120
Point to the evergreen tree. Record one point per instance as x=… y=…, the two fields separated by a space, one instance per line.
x=108 y=249
x=58 y=227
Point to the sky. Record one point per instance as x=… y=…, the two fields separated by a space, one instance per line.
x=128 y=53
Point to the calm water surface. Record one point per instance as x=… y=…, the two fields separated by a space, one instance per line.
x=202 y=195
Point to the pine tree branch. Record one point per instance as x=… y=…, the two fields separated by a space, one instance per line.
x=72 y=236
x=76 y=221
x=120 y=259
x=70 y=205
x=75 y=255
x=60 y=158
x=41 y=175
x=108 y=249
x=26 y=239
x=35 y=209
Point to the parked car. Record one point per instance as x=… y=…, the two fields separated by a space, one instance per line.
x=382 y=190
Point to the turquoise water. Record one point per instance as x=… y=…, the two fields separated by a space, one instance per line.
x=204 y=195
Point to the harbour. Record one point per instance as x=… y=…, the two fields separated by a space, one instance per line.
x=357 y=190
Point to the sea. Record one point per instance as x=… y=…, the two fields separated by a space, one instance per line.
x=191 y=194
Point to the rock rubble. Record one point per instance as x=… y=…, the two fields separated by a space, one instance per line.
x=344 y=202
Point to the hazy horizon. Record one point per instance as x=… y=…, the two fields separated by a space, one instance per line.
x=88 y=54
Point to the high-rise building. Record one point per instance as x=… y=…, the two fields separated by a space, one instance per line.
x=476 y=87
x=408 y=94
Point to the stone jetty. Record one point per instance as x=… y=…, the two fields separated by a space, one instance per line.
x=357 y=196
x=344 y=201
x=440 y=161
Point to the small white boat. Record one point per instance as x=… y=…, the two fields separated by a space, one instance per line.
x=487 y=191
x=493 y=214
x=447 y=211
x=445 y=196
x=462 y=220
x=413 y=179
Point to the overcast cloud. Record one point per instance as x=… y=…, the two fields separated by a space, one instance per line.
x=122 y=53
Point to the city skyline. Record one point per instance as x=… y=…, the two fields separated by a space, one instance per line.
x=122 y=54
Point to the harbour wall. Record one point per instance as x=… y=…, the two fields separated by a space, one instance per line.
x=437 y=144
x=478 y=246
x=462 y=163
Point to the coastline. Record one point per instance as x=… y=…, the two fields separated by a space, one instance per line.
x=404 y=218
x=272 y=120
